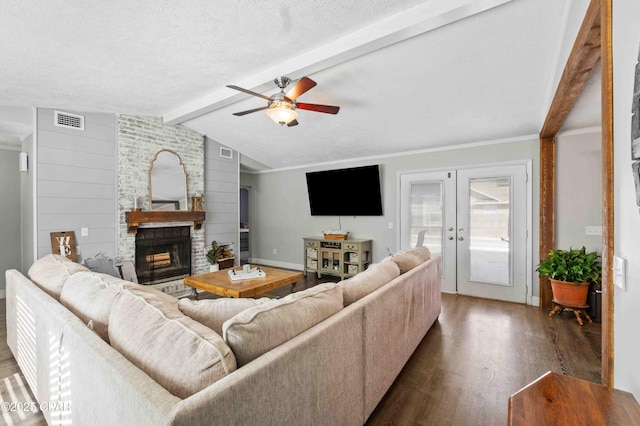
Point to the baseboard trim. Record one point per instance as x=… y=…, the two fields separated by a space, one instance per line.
x=534 y=301
x=276 y=264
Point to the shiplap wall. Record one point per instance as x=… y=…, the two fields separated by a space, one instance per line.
x=221 y=197
x=76 y=182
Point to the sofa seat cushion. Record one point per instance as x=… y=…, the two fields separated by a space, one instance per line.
x=406 y=261
x=89 y=296
x=421 y=252
x=214 y=312
x=52 y=271
x=179 y=353
x=257 y=330
x=377 y=275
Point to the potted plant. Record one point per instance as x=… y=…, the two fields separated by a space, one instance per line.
x=213 y=254
x=571 y=272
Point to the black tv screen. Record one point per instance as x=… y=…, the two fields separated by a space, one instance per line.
x=345 y=192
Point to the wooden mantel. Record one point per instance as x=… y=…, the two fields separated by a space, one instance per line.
x=134 y=219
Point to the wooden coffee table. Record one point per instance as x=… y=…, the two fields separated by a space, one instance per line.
x=219 y=282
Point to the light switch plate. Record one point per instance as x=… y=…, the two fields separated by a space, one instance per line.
x=84 y=232
x=620 y=272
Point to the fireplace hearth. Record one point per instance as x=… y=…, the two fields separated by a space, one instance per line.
x=163 y=254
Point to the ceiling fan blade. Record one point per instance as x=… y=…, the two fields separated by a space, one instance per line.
x=249 y=92
x=293 y=123
x=249 y=111
x=303 y=85
x=329 y=109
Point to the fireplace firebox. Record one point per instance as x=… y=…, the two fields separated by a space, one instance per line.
x=163 y=254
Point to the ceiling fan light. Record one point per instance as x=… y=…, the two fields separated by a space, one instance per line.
x=282 y=112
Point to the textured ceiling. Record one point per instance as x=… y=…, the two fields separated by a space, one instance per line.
x=482 y=77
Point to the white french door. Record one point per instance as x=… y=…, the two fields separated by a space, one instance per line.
x=477 y=220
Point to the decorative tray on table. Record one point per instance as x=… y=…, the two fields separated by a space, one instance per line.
x=239 y=274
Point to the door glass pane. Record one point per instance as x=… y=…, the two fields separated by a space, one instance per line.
x=489 y=230
x=426 y=215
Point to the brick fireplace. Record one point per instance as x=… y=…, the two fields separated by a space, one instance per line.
x=139 y=140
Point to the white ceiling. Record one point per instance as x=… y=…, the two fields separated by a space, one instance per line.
x=407 y=75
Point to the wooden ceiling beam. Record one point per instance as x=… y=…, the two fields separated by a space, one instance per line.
x=584 y=57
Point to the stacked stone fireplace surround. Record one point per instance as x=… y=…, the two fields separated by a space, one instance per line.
x=139 y=139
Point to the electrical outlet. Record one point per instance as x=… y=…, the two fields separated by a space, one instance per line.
x=84 y=232
x=390 y=225
x=593 y=230
x=275 y=252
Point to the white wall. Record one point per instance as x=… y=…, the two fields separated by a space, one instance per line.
x=578 y=189
x=10 y=249
x=626 y=39
x=279 y=207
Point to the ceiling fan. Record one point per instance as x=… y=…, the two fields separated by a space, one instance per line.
x=282 y=106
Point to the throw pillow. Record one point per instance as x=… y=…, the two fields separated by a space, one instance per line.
x=257 y=330
x=102 y=265
x=214 y=312
x=52 y=271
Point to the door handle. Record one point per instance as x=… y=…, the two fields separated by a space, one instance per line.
x=451 y=237
x=460 y=238
x=460 y=229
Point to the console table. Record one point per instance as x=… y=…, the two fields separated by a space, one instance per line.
x=343 y=258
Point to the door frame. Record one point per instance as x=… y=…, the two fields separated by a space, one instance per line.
x=593 y=44
x=530 y=300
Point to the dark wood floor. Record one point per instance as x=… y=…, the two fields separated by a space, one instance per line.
x=475 y=356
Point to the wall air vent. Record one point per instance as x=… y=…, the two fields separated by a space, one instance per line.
x=68 y=120
x=226 y=152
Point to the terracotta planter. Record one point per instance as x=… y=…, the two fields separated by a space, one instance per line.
x=570 y=294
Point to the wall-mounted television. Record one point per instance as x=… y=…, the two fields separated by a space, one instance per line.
x=345 y=192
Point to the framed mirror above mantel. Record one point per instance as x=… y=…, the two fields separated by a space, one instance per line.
x=167 y=195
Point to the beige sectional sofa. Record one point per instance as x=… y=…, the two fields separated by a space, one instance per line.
x=102 y=350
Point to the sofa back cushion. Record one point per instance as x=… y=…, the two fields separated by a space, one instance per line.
x=421 y=252
x=89 y=296
x=257 y=330
x=52 y=271
x=377 y=275
x=214 y=312
x=406 y=261
x=179 y=353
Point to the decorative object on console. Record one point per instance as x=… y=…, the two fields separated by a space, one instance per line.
x=282 y=106
x=335 y=235
x=64 y=244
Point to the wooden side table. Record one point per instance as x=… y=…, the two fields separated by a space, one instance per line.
x=554 y=399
